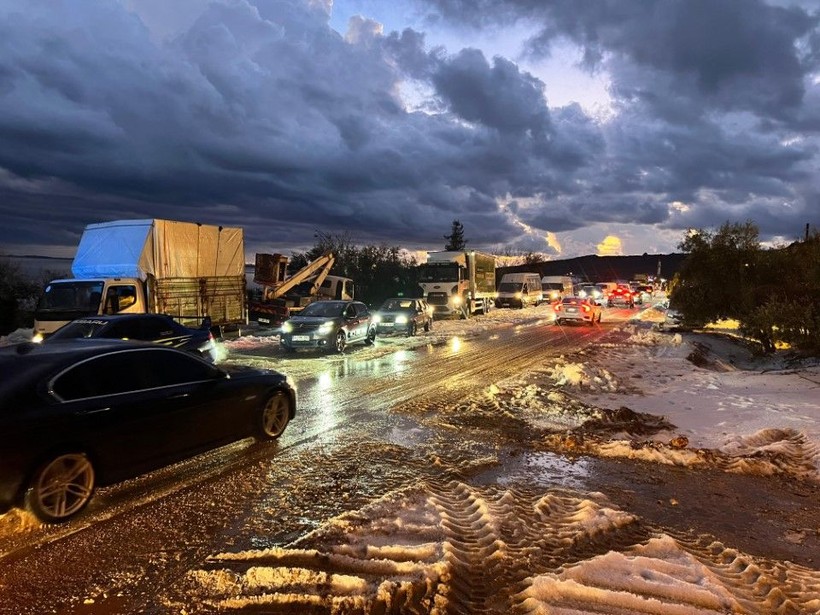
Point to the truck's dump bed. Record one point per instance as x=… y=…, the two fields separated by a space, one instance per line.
x=159 y=248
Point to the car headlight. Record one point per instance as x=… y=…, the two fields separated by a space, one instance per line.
x=377 y=317
x=401 y=319
x=517 y=295
x=457 y=300
x=287 y=327
x=325 y=328
x=37 y=338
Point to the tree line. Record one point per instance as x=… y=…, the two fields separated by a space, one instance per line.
x=773 y=293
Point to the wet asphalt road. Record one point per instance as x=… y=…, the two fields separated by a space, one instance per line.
x=356 y=437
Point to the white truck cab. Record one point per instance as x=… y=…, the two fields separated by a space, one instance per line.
x=64 y=300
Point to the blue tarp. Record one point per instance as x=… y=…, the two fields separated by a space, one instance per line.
x=115 y=250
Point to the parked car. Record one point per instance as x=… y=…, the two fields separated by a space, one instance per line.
x=90 y=412
x=329 y=324
x=401 y=315
x=577 y=309
x=622 y=295
x=672 y=321
x=643 y=294
x=157 y=328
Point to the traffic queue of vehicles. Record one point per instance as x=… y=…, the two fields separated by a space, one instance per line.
x=126 y=365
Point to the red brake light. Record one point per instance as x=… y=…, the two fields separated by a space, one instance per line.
x=585 y=307
x=557 y=307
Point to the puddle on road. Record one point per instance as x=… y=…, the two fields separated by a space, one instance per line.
x=541 y=469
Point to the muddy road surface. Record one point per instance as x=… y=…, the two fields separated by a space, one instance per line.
x=392 y=491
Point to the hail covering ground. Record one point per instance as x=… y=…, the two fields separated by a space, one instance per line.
x=444 y=540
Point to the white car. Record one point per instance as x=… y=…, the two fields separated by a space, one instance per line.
x=577 y=309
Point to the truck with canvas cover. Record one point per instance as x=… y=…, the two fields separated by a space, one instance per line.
x=456 y=283
x=281 y=296
x=193 y=272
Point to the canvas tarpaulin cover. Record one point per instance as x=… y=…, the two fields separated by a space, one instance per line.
x=162 y=248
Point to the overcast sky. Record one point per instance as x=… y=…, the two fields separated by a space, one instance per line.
x=567 y=127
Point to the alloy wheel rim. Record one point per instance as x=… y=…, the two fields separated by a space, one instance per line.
x=65 y=485
x=276 y=416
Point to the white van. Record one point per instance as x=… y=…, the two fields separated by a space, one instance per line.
x=519 y=290
x=556 y=287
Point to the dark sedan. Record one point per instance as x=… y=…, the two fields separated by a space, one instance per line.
x=401 y=315
x=329 y=324
x=156 y=328
x=86 y=412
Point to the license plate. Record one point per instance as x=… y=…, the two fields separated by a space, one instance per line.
x=264 y=321
x=572 y=309
x=301 y=338
x=387 y=324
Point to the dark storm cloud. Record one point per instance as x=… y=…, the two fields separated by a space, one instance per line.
x=717 y=105
x=256 y=113
x=260 y=115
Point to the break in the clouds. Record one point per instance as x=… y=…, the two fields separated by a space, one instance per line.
x=268 y=114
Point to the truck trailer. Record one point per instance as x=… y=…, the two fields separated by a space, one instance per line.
x=190 y=271
x=457 y=283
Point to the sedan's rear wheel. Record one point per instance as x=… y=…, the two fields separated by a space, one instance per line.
x=340 y=341
x=428 y=326
x=275 y=416
x=61 y=487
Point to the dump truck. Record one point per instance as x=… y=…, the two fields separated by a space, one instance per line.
x=281 y=296
x=192 y=272
x=458 y=283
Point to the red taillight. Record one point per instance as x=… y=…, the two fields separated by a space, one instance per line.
x=211 y=337
x=557 y=307
x=585 y=308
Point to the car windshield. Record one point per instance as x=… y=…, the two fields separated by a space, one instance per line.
x=71 y=295
x=509 y=287
x=397 y=304
x=438 y=273
x=552 y=286
x=324 y=308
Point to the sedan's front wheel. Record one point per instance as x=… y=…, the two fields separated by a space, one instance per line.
x=275 y=416
x=371 y=336
x=61 y=487
x=340 y=341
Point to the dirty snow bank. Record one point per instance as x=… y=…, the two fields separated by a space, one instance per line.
x=442 y=548
x=765 y=421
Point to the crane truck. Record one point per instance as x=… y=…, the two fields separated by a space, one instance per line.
x=192 y=272
x=458 y=283
x=281 y=296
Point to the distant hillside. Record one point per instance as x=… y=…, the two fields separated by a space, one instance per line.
x=604 y=268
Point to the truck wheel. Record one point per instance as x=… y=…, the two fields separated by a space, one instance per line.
x=61 y=487
x=274 y=417
x=340 y=342
x=371 y=336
